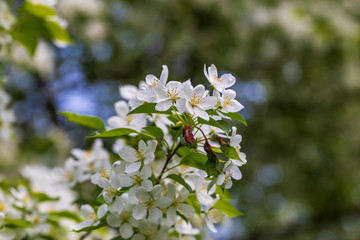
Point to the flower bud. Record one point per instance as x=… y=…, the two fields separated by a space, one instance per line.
x=188 y=135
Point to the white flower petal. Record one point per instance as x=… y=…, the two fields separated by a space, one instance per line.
x=228 y=80
x=164 y=75
x=117 y=205
x=138 y=236
x=155 y=215
x=121 y=108
x=171 y=190
x=220 y=180
x=186 y=210
x=102 y=210
x=201 y=113
x=133 y=167
x=83 y=224
x=163 y=105
x=142 y=193
x=151 y=146
x=7 y=234
x=145 y=172
x=156 y=191
x=139 y=211
x=208 y=102
x=163 y=202
x=87 y=210
x=113 y=220
x=147 y=184
x=124 y=180
x=181 y=105
x=171 y=215
x=128 y=154
x=199 y=90
x=126 y=230
x=210 y=225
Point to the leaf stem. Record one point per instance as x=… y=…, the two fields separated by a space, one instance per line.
x=167 y=161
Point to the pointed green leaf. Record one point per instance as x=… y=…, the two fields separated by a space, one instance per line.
x=193 y=201
x=119 y=132
x=227 y=208
x=27 y=40
x=230 y=152
x=154 y=131
x=87 y=121
x=66 y=214
x=18 y=223
x=223 y=193
x=38 y=9
x=195 y=159
x=222 y=124
x=114 y=133
x=42 y=197
x=148 y=108
x=235 y=116
x=180 y=180
x=57 y=32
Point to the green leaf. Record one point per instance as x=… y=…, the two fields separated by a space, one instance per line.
x=148 y=108
x=193 y=201
x=18 y=223
x=57 y=32
x=118 y=132
x=222 y=124
x=66 y=214
x=38 y=9
x=27 y=40
x=230 y=152
x=42 y=197
x=227 y=208
x=223 y=193
x=235 y=116
x=87 y=121
x=154 y=131
x=180 y=180
x=91 y=228
x=195 y=159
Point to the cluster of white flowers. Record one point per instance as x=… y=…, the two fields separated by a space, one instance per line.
x=35 y=209
x=150 y=193
x=174 y=156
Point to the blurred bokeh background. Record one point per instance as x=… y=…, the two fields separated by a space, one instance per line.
x=297 y=65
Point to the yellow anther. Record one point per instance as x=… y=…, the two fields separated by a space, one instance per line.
x=173 y=93
x=195 y=100
x=154 y=83
x=104 y=174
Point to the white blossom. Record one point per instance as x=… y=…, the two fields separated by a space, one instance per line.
x=147 y=93
x=91 y=218
x=150 y=203
x=196 y=101
x=219 y=83
x=144 y=155
x=122 y=120
x=230 y=171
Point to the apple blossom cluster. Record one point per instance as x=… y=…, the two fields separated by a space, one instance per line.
x=38 y=208
x=176 y=155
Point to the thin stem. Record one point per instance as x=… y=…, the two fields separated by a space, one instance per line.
x=167 y=161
